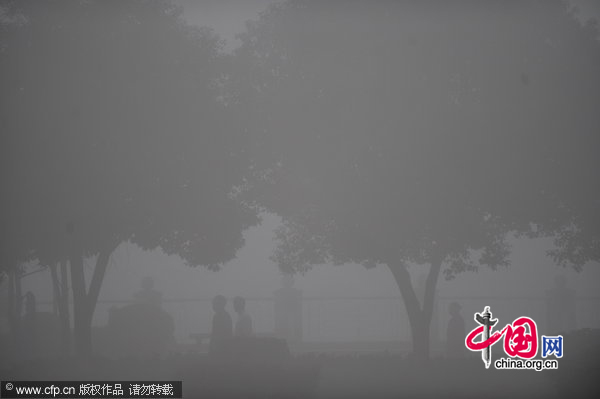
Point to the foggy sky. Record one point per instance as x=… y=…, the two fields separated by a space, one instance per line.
x=253 y=274
x=426 y=152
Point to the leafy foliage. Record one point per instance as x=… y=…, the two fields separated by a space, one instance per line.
x=392 y=141
x=113 y=125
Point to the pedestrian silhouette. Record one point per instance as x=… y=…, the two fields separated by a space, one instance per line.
x=455 y=333
x=27 y=338
x=222 y=329
x=243 y=324
x=148 y=295
x=30 y=304
x=288 y=311
x=560 y=307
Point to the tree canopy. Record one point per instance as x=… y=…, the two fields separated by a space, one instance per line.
x=408 y=132
x=115 y=130
x=112 y=123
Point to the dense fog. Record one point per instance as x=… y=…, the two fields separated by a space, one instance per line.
x=301 y=198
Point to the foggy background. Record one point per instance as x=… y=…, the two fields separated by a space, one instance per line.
x=253 y=274
x=347 y=308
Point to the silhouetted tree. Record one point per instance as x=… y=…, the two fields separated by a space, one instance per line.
x=402 y=133
x=114 y=130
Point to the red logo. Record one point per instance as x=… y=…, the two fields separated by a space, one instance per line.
x=520 y=337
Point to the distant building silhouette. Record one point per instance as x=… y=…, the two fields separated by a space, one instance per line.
x=455 y=333
x=141 y=328
x=243 y=324
x=148 y=295
x=288 y=311
x=560 y=307
x=222 y=328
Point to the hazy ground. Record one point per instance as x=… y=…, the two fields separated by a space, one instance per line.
x=377 y=375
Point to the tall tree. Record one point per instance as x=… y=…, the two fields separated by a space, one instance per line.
x=114 y=130
x=417 y=132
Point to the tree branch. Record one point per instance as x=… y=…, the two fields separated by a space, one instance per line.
x=430 y=284
x=407 y=291
x=98 y=276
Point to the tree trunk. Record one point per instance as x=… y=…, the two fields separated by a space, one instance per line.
x=413 y=310
x=81 y=325
x=420 y=333
x=63 y=309
x=55 y=289
x=84 y=303
x=15 y=308
x=62 y=304
x=13 y=317
x=98 y=277
x=418 y=317
x=11 y=298
x=429 y=297
x=18 y=294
